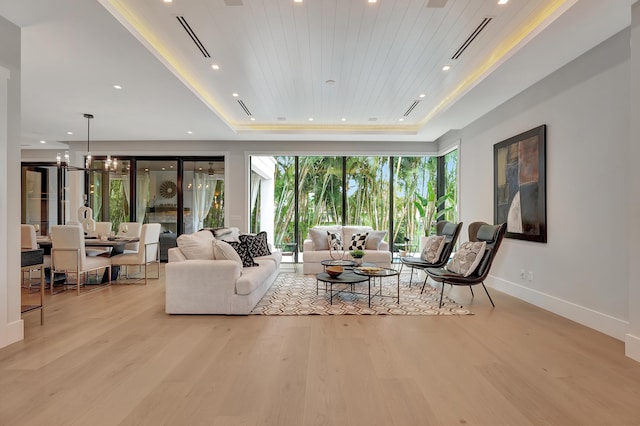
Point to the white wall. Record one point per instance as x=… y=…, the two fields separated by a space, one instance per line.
x=632 y=340
x=11 y=325
x=581 y=273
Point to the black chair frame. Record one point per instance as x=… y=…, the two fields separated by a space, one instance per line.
x=492 y=235
x=451 y=231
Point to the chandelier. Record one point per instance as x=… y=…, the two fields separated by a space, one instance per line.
x=110 y=164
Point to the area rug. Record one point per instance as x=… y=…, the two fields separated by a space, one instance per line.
x=293 y=294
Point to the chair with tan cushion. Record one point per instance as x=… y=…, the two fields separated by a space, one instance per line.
x=68 y=255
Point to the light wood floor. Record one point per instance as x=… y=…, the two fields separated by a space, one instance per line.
x=114 y=357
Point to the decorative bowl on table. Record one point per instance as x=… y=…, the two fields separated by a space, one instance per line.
x=334 y=271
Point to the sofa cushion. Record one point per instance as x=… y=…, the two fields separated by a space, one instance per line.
x=197 y=245
x=243 y=251
x=252 y=278
x=258 y=245
x=227 y=234
x=432 y=248
x=224 y=251
x=374 y=238
x=358 y=241
x=467 y=258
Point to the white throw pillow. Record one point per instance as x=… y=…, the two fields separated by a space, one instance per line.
x=374 y=238
x=197 y=245
x=319 y=238
x=224 y=251
x=467 y=258
x=433 y=248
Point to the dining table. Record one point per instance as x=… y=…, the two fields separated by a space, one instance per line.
x=116 y=244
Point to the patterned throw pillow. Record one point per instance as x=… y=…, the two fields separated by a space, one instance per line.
x=433 y=248
x=335 y=240
x=467 y=258
x=358 y=241
x=243 y=251
x=258 y=245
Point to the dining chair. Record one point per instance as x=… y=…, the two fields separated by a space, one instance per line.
x=147 y=253
x=102 y=228
x=29 y=241
x=131 y=230
x=68 y=256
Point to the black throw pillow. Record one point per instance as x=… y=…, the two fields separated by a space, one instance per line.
x=243 y=251
x=258 y=245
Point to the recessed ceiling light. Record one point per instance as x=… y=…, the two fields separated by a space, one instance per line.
x=402 y=119
x=297 y=1
x=146 y=170
x=422 y=95
x=253 y=119
x=69 y=133
x=189 y=132
x=343 y=119
x=235 y=95
x=163 y=168
x=310 y=118
x=117 y=86
x=215 y=67
x=372 y=1
x=168 y=1
x=43 y=141
x=503 y=1
x=446 y=68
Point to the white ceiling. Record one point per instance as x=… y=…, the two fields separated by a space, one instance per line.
x=278 y=55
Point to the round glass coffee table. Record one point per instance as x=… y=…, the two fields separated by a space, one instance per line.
x=338 y=262
x=347 y=277
x=373 y=272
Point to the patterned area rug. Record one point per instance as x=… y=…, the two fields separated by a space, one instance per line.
x=293 y=294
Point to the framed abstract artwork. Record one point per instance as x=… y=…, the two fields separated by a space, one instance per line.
x=520 y=195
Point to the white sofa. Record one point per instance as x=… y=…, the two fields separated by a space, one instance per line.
x=312 y=255
x=201 y=284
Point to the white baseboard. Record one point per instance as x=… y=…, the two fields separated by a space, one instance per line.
x=611 y=326
x=632 y=346
x=13 y=332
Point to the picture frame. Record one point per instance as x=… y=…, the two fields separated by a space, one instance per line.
x=520 y=193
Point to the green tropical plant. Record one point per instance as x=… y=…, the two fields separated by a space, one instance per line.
x=430 y=208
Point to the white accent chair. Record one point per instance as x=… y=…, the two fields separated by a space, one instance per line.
x=134 y=230
x=68 y=256
x=148 y=251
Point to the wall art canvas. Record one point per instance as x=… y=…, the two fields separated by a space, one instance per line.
x=520 y=185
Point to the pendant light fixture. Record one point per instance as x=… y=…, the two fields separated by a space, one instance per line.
x=87 y=162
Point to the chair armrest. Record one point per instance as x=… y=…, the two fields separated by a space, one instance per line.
x=384 y=246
